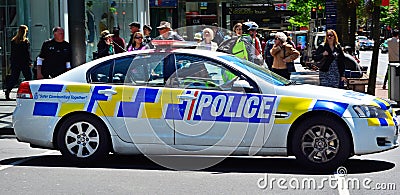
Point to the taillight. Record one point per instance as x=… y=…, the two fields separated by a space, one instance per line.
x=24 y=91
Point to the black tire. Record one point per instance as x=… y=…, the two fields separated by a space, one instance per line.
x=83 y=139
x=321 y=151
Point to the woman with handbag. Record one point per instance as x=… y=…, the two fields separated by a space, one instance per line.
x=283 y=54
x=20 y=59
x=330 y=58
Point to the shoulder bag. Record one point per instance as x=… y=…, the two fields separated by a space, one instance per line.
x=290 y=65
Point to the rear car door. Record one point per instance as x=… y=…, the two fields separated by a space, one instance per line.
x=132 y=97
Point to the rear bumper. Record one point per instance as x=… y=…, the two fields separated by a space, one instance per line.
x=36 y=130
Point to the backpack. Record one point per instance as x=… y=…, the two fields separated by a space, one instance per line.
x=227 y=45
x=239 y=50
x=234 y=46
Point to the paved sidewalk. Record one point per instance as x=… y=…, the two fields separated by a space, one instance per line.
x=7 y=108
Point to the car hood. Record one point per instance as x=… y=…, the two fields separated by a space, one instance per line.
x=329 y=94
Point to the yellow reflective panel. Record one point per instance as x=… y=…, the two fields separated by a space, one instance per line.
x=78 y=88
x=293 y=105
x=70 y=107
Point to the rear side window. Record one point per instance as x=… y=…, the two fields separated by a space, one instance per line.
x=101 y=73
x=146 y=70
x=139 y=70
x=112 y=71
x=120 y=69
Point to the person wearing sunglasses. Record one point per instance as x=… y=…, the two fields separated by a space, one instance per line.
x=133 y=27
x=105 y=46
x=137 y=42
x=331 y=58
x=283 y=53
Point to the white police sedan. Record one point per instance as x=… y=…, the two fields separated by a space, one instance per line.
x=192 y=102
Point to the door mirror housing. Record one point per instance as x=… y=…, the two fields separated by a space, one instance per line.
x=239 y=85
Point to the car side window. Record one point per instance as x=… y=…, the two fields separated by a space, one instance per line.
x=195 y=72
x=146 y=70
x=120 y=69
x=101 y=72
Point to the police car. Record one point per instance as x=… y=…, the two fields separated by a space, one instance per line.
x=192 y=102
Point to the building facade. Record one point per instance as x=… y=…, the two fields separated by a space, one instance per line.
x=42 y=15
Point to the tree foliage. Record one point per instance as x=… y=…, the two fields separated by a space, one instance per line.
x=303 y=9
x=389 y=14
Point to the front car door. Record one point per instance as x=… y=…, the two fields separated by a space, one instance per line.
x=213 y=110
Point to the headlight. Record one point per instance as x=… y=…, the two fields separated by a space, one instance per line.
x=366 y=111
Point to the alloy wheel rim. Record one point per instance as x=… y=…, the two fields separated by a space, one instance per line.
x=82 y=139
x=320 y=144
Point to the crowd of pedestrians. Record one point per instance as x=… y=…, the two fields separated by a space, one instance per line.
x=243 y=41
x=276 y=53
x=56 y=54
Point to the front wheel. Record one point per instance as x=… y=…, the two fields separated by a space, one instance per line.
x=83 y=139
x=321 y=143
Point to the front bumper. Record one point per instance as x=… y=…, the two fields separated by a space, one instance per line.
x=372 y=138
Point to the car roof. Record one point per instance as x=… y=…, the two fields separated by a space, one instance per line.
x=78 y=73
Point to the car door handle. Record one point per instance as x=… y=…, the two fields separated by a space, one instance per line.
x=186 y=97
x=281 y=115
x=107 y=92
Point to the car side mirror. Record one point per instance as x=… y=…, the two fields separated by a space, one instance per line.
x=239 y=84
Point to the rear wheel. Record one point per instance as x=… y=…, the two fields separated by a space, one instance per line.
x=83 y=138
x=321 y=143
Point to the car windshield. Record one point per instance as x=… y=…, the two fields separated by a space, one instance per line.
x=259 y=71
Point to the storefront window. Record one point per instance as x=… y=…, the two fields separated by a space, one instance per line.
x=109 y=15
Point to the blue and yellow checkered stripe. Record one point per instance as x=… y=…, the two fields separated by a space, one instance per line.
x=154 y=103
x=298 y=106
x=127 y=102
x=56 y=108
x=388 y=121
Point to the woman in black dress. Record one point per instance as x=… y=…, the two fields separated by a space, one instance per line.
x=331 y=57
x=20 y=59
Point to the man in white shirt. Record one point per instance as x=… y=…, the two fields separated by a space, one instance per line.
x=393 y=49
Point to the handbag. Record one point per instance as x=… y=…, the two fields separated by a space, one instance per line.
x=320 y=63
x=290 y=65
